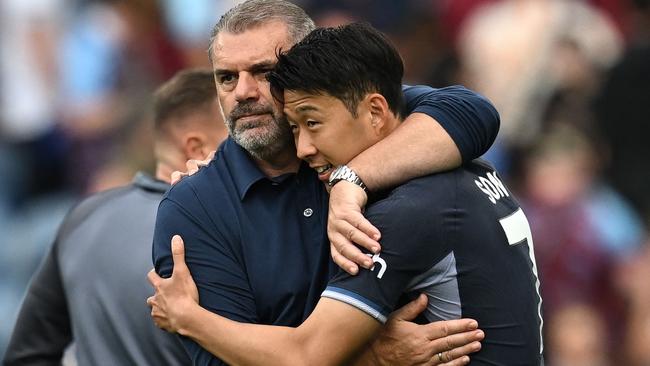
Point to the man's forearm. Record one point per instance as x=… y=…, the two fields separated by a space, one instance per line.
x=240 y=343
x=328 y=336
x=248 y=344
x=419 y=146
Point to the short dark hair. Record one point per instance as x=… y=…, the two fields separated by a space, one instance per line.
x=184 y=93
x=346 y=62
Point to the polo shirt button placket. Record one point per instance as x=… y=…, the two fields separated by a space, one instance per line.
x=308 y=212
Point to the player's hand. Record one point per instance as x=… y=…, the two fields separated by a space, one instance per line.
x=346 y=226
x=193 y=166
x=175 y=296
x=448 y=343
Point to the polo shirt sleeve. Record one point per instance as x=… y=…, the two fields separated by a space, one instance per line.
x=222 y=283
x=412 y=243
x=469 y=118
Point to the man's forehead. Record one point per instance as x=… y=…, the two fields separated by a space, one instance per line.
x=296 y=101
x=260 y=41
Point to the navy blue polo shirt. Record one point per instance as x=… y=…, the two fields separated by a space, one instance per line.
x=257 y=246
x=254 y=245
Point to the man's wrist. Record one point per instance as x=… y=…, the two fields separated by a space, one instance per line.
x=188 y=320
x=368 y=358
x=345 y=173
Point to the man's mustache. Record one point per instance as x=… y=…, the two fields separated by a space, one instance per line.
x=249 y=109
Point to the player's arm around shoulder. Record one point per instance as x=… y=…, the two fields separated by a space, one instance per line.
x=444 y=127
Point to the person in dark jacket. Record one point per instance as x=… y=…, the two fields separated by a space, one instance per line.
x=91 y=286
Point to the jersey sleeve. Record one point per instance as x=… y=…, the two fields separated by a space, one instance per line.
x=219 y=274
x=43 y=329
x=412 y=243
x=469 y=118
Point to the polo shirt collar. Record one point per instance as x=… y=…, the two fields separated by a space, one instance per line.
x=245 y=172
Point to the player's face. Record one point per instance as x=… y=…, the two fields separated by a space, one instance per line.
x=240 y=64
x=325 y=132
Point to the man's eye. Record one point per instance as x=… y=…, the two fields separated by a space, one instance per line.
x=225 y=79
x=293 y=127
x=261 y=75
x=311 y=123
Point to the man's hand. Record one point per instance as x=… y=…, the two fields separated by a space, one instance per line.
x=174 y=296
x=402 y=342
x=192 y=166
x=347 y=228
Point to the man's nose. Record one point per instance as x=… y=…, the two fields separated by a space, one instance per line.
x=304 y=146
x=247 y=87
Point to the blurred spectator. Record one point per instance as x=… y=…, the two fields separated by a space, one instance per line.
x=577 y=336
x=29 y=31
x=422 y=42
x=31 y=150
x=520 y=52
x=623 y=110
x=189 y=24
x=583 y=229
x=633 y=281
x=112 y=56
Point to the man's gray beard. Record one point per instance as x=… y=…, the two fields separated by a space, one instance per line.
x=265 y=147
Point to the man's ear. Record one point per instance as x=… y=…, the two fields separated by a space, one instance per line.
x=378 y=108
x=194 y=146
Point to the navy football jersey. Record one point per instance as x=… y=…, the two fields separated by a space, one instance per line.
x=461 y=238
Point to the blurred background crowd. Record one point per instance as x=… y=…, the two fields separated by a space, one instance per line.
x=570 y=78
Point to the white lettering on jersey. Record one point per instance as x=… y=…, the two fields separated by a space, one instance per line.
x=517 y=230
x=492 y=187
x=381 y=261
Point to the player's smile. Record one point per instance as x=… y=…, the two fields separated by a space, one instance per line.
x=323 y=171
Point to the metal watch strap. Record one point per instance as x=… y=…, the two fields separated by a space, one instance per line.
x=344 y=172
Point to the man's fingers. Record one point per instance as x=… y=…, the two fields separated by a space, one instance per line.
x=458 y=344
x=340 y=260
x=192 y=166
x=368 y=229
x=461 y=361
x=347 y=239
x=153 y=278
x=442 y=329
x=176 y=176
x=351 y=252
x=458 y=356
x=356 y=229
x=178 y=255
x=411 y=310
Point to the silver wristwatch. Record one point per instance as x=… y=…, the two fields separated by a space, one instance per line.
x=343 y=172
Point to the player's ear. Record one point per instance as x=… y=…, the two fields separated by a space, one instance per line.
x=378 y=108
x=194 y=146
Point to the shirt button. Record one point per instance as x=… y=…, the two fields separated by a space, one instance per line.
x=308 y=212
